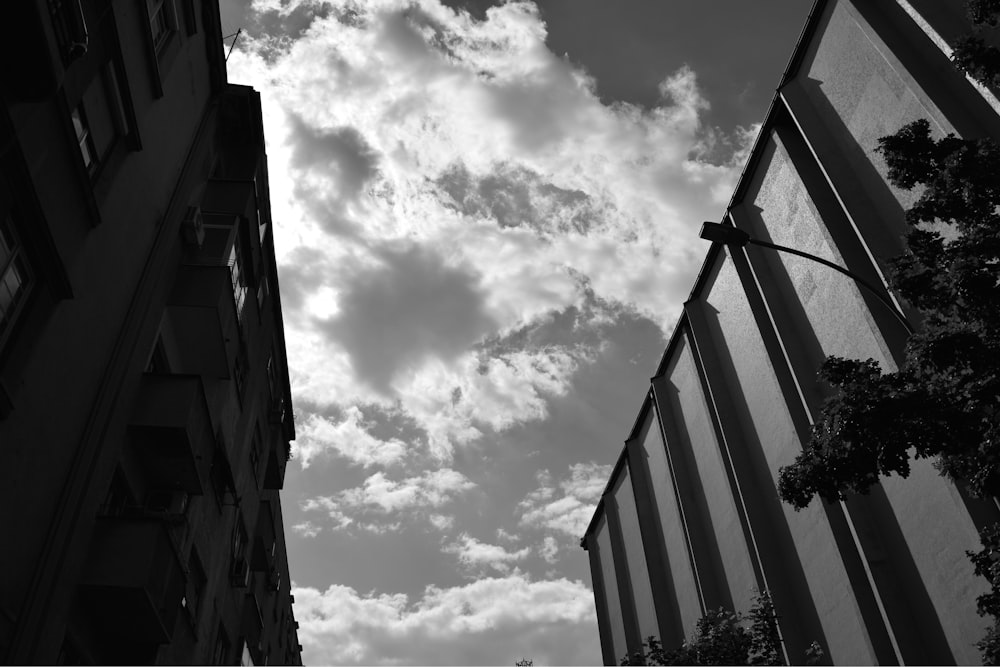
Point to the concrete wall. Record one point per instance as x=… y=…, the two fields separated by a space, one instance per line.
x=878 y=579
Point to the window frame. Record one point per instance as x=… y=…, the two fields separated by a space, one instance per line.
x=84 y=139
x=164 y=14
x=256 y=454
x=16 y=260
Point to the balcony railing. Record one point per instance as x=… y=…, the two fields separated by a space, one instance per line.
x=133 y=581
x=171 y=432
x=202 y=318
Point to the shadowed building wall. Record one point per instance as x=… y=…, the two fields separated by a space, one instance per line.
x=145 y=412
x=881 y=578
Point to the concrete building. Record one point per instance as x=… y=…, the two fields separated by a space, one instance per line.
x=690 y=519
x=145 y=412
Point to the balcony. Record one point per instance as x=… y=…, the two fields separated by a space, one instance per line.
x=237 y=197
x=133 y=581
x=253 y=628
x=262 y=556
x=172 y=435
x=201 y=319
x=274 y=471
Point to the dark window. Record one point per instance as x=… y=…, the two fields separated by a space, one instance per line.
x=255 y=453
x=239 y=539
x=99 y=119
x=195 y=590
x=83 y=139
x=220 y=652
x=262 y=290
x=15 y=278
x=162 y=22
x=70 y=28
x=239 y=280
x=272 y=379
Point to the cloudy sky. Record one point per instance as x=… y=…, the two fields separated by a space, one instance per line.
x=486 y=223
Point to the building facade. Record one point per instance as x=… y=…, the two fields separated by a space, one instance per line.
x=691 y=519
x=145 y=412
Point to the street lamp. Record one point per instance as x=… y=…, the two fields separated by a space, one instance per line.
x=731 y=236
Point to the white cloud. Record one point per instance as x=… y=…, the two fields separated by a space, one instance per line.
x=489 y=621
x=347 y=437
x=306 y=529
x=478 y=555
x=369 y=506
x=395 y=126
x=505 y=536
x=549 y=549
x=441 y=522
x=569 y=508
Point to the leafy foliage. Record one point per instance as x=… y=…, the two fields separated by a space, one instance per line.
x=944 y=400
x=987 y=564
x=724 y=637
x=972 y=54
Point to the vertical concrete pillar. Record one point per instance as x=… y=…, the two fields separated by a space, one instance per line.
x=657 y=563
x=633 y=638
x=589 y=543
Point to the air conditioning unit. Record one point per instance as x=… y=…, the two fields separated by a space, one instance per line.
x=239 y=573
x=193 y=226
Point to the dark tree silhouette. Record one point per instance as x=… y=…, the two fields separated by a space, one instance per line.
x=724 y=637
x=944 y=400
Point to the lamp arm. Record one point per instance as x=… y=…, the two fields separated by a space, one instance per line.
x=853 y=276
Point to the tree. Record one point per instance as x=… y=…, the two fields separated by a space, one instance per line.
x=944 y=400
x=724 y=637
x=972 y=54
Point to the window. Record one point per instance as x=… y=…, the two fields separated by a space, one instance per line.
x=162 y=22
x=195 y=590
x=262 y=291
x=15 y=277
x=239 y=539
x=70 y=27
x=255 y=448
x=220 y=652
x=99 y=119
x=272 y=379
x=235 y=262
x=83 y=139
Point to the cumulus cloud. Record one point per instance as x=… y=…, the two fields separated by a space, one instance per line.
x=306 y=529
x=370 y=505
x=489 y=621
x=549 y=550
x=568 y=506
x=348 y=437
x=441 y=521
x=398 y=126
x=478 y=556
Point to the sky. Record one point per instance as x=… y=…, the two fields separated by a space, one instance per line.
x=486 y=222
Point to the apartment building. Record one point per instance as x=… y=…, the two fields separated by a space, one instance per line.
x=691 y=519
x=145 y=411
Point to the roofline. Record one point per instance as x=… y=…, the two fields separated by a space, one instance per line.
x=742 y=184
